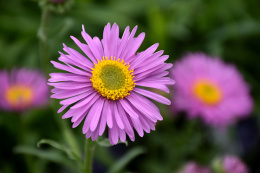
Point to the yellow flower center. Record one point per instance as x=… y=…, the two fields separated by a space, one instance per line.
x=19 y=96
x=208 y=92
x=112 y=78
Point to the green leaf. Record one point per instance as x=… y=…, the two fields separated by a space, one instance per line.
x=217 y=167
x=63 y=148
x=104 y=142
x=50 y=155
x=128 y=157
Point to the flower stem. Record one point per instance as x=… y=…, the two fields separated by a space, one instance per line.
x=44 y=58
x=89 y=151
x=42 y=35
x=66 y=131
x=22 y=141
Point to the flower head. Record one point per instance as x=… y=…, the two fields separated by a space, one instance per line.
x=232 y=164
x=22 y=89
x=211 y=89
x=104 y=86
x=193 y=167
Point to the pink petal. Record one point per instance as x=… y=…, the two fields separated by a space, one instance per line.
x=146 y=101
x=77 y=122
x=109 y=114
x=123 y=42
x=85 y=48
x=152 y=115
x=150 y=59
x=62 y=94
x=128 y=108
x=95 y=109
x=68 y=68
x=117 y=117
x=75 y=98
x=134 y=45
x=62 y=108
x=153 y=85
x=85 y=101
x=122 y=135
x=58 y=77
x=143 y=54
x=82 y=59
x=83 y=110
x=106 y=39
x=70 y=85
x=91 y=44
x=125 y=50
x=97 y=114
x=72 y=59
x=103 y=118
x=113 y=134
x=138 y=126
x=128 y=127
x=69 y=113
x=153 y=96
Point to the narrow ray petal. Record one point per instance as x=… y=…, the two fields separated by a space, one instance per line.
x=153 y=96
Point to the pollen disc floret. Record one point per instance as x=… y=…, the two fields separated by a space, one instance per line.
x=112 y=78
x=208 y=92
x=19 y=95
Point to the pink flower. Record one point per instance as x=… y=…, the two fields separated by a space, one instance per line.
x=233 y=164
x=103 y=87
x=208 y=88
x=22 y=89
x=193 y=167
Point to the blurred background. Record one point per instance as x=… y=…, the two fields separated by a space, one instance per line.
x=227 y=29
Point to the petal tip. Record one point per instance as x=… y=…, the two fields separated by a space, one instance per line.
x=83 y=27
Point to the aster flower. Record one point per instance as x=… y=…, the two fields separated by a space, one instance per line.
x=22 y=89
x=209 y=88
x=193 y=167
x=104 y=87
x=232 y=164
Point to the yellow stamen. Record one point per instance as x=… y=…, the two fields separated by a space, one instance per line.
x=19 y=96
x=207 y=91
x=112 y=78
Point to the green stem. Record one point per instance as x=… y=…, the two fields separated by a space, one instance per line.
x=66 y=131
x=89 y=151
x=43 y=37
x=44 y=58
x=22 y=141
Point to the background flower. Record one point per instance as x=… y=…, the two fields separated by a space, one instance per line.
x=232 y=164
x=22 y=89
x=193 y=167
x=208 y=88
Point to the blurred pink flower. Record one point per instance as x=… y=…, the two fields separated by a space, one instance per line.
x=193 y=167
x=208 y=88
x=22 y=89
x=101 y=87
x=232 y=164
